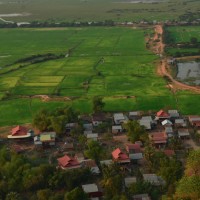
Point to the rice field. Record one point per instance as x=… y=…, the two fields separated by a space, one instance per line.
x=111 y=62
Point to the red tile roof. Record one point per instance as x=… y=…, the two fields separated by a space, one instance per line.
x=67 y=162
x=135 y=147
x=162 y=114
x=159 y=137
x=117 y=154
x=19 y=131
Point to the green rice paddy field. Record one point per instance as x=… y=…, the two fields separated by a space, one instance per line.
x=183 y=34
x=110 y=62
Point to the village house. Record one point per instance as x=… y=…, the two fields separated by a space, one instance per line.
x=166 y=122
x=134 y=151
x=19 y=132
x=87 y=122
x=183 y=134
x=119 y=118
x=173 y=114
x=169 y=131
x=67 y=162
x=161 y=115
x=120 y=157
x=153 y=179
x=93 y=136
x=180 y=123
x=159 y=139
x=45 y=139
x=92 y=165
x=147 y=122
x=98 y=118
x=194 y=121
x=117 y=129
x=134 y=115
x=92 y=191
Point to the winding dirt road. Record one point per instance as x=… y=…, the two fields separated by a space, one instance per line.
x=163 y=65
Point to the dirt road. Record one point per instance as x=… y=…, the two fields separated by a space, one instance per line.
x=163 y=65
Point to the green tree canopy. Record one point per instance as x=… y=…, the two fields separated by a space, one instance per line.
x=94 y=150
x=135 y=132
x=98 y=104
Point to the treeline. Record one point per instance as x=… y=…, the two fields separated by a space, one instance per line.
x=37 y=24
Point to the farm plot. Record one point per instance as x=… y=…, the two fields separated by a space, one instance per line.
x=111 y=62
x=182 y=37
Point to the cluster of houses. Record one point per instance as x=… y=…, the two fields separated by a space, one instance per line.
x=160 y=127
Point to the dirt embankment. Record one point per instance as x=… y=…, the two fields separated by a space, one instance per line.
x=162 y=69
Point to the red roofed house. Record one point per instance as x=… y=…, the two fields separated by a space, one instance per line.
x=195 y=121
x=133 y=148
x=119 y=156
x=134 y=151
x=162 y=115
x=67 y=162
x=159 y=139
x=19 y=132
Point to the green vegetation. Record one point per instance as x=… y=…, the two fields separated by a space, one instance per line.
x=99 y=10
x=182 y=40
x=111 y=62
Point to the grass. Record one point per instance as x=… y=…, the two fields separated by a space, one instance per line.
x=111 y=62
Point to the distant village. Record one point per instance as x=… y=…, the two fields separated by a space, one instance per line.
x=167 y=131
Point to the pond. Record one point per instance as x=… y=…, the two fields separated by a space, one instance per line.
x=189 y=72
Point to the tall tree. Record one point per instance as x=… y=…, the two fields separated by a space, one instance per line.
x=98 y=104
x=193 y=163
x=94 y=151
x=76 y=194
x=135 y=132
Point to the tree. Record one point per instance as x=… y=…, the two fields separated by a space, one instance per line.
x=112 y=181
x=44 y=194
x=76 y=194
x=58 y=124
x=135 y=131
x=94 y=151
x=193 y=163
x=13 y=196
x=170 y=170
x=98 y=104
x=188 y=188
x=42 y=120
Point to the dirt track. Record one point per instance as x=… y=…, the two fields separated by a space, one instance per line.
x=162 y=67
